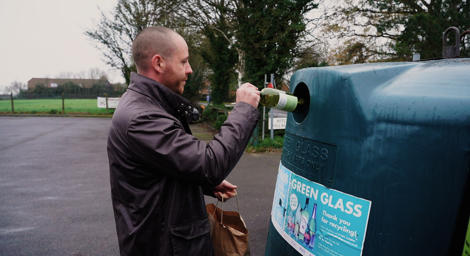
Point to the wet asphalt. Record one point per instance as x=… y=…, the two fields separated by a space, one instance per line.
x=55 y=194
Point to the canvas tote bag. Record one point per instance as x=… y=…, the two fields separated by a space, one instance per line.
x=228 y=231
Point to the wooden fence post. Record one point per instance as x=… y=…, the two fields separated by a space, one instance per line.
x=12 y=104
x=63 y=104
x=106 y=95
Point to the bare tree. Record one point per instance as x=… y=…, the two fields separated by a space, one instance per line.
x=15 y=87
x=92 y=73
x=115 y=33
x=96 y=73
x=393 y=29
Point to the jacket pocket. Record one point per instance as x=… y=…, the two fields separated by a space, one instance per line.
x=191 y=238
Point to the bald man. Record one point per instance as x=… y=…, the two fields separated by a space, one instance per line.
x=159 y=172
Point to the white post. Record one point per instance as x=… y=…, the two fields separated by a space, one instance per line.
x=271 y=113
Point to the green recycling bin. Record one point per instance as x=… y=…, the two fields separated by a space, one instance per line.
x=377 y=163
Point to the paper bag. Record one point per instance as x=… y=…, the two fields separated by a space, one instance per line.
x=228 y=232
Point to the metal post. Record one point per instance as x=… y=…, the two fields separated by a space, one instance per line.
x=273 y=81
x=264 y=108
x=271 y=118
x=12 y=104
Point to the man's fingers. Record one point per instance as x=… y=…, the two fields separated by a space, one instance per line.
x=232 y=193
x=248 y=93
x=224 y=185
x=250 y=86
x=229 y=185
x=225 y=195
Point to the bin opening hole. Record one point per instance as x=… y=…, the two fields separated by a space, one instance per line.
x=302 y=93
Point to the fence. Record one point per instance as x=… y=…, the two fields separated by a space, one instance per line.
x=58 y=105
x=71 y=91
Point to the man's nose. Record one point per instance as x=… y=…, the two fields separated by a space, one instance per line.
x=189 y=70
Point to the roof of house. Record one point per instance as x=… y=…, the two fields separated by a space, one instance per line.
x=52 y=82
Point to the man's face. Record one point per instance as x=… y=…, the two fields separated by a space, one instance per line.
x=177 y=67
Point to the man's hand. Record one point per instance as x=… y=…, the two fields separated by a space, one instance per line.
x=225 y=190
x=248 y=93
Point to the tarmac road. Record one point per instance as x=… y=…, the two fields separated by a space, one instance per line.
x=55 y=195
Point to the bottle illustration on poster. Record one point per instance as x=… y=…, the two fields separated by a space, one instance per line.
x=281 y=211
x=297 y=221
x=302 y=226
x=303 y=221
x=291 y=219
x=309 y=237
x=316 y=220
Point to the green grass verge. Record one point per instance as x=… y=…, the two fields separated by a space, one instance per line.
x=54 y=106
x=267 y=145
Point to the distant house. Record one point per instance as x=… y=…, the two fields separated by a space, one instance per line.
x=55 y=82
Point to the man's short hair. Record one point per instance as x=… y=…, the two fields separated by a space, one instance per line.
x=151 y=41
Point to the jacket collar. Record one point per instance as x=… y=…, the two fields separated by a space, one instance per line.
x=172 y=102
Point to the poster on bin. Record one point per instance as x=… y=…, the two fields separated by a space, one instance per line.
x=316 y=220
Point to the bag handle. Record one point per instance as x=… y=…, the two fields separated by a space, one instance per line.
x=222 y=210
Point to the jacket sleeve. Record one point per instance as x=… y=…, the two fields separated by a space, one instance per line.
x=159 y=140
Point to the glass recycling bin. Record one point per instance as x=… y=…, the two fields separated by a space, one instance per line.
x=377 y=163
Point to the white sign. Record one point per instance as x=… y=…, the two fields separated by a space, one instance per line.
x=279 y=123
x=112 y=102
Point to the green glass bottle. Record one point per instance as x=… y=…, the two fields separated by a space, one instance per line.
x=279 y=99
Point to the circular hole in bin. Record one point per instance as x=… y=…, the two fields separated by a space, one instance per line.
x=302 y=93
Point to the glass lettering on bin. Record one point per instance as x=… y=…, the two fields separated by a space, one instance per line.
x=312 y=159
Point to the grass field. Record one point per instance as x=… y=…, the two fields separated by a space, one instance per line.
x=54 y=106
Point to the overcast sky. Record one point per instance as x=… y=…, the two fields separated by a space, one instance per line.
x=44 y=38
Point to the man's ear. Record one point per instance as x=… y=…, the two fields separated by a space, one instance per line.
x=158 y=63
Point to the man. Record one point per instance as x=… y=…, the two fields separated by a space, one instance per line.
x=159 y=172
